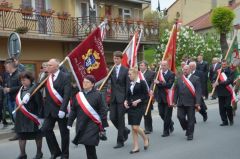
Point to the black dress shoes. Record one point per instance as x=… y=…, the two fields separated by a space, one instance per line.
x=22 y=157
x=55 y=156
x=224 y=124
x=190 y=137
x=205 y=117
x=15 y=137
x=147 y=132
x=165 y=135
x=132 y=152
x=119 y=145
x=38 y=156
x=231 y=123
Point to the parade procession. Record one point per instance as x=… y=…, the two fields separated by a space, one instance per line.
x=163 y=86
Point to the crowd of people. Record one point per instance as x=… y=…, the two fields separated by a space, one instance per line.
x=58 y=100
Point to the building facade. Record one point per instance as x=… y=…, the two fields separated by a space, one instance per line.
x=188 y=10
x=52 y=28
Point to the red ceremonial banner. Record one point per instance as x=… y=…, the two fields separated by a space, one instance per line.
x=88 y=58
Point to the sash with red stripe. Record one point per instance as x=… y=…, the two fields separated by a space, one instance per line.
x=189 y=85
x=88 y=110
x=57 y=98
x=22 y=108
x=141 y=77
x=223 y=78
x=169 y=92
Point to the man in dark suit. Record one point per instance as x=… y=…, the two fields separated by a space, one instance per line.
x=187 y=96
x=119 y=85
x=199 y=74
x=224 y=95
x=55 y=109
x=213 y=72
x=149 y=77
x=203 y=67
x=164 y=108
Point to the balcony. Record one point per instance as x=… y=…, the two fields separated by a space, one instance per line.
x=74 y=28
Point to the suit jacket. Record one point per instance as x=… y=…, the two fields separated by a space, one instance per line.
x=221 y=88
x=87 y=132
x=149 y=77
x=213 y=72
x=183 y=96
x=203 y=67
x=200 y=75
x=119 y=85
x=160 y=93
x=140 y=91
x=13 y=82
x=62 y=85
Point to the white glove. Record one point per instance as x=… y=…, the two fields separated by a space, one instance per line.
x=26 y=98
x=61 y=114
x=69 y=127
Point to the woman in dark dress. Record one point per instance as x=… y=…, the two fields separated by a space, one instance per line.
x=27 y=117
x=88 y=129
x=136 y=95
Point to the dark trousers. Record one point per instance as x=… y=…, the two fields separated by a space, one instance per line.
x=225 y=108
x=148 y=119
x=203 y=110
x=91 y=152
x=166 y=114
x=53 y=146
x=204 y=84
x=187 y=124
x=117 y=112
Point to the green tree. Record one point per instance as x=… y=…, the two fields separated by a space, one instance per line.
x=222 y=19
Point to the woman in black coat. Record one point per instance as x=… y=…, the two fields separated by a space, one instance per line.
x=87 y=131
x=26 y=126
x=136 y=95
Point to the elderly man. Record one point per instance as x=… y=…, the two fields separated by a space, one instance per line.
x=164 y=84
x=58 y=90
x=197 y=73
x=187 y=97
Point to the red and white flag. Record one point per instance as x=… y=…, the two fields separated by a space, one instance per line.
x=88 y=57
x=130 y=53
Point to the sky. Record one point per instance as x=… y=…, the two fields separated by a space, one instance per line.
x=163 y=4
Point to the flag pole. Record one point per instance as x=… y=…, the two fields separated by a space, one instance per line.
x=214 y=88
x=109 y=73
x=38 y=87
x=154 y=86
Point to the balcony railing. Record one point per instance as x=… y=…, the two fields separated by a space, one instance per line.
x=74 y=27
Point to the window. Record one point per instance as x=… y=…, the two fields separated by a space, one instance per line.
x=124 y=13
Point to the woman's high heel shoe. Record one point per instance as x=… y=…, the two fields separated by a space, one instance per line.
x=136 y=151
x=146 y=147
x=22 y=157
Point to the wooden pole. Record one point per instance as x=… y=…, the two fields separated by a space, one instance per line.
x=214 y=88
x=154 y=86
x=38 y=87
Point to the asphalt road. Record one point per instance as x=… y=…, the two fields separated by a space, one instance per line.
x=210 y=141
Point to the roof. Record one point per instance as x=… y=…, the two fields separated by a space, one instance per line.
x=204 y=21
x=140 y=1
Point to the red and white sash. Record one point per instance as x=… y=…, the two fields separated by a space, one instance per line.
x=169 y=92
x=88 y=110
x=223 y=78
x=22 y=108
x=141 y=77
x=57 y=98
x=189 y=85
